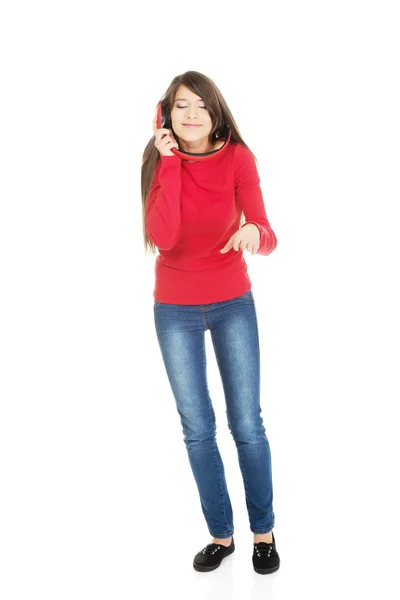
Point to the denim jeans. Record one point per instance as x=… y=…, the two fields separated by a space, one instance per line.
x=181 y=331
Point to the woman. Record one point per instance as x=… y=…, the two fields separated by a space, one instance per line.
x=192 y=211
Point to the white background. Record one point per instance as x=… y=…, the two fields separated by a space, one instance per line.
x=98 y=499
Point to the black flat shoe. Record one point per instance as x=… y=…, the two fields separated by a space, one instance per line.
x=212 y=556
x=265 y=557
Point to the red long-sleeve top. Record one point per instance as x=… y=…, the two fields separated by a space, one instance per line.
x=192 y=210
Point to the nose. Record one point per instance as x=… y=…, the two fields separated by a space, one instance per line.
x=192 y=112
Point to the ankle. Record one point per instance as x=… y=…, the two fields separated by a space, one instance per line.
x=263 y=537
x=222 y=541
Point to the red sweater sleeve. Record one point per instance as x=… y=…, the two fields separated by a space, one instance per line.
x=163 y=208
x=249 y=196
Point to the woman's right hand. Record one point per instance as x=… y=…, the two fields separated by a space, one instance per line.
x=164 y=139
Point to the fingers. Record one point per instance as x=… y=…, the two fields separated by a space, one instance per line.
x=159 y=133
x=243 y=245
x=164 y=139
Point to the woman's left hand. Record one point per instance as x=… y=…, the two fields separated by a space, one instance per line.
x=246 y=238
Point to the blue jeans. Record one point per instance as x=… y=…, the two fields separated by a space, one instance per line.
x=180 y=331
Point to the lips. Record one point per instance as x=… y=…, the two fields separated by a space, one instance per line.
x=187 y=125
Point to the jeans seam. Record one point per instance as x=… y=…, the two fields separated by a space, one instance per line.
x=214 y=445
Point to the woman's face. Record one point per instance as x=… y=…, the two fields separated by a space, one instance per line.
x=190 y=109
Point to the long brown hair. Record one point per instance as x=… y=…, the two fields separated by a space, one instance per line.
x=219 y=111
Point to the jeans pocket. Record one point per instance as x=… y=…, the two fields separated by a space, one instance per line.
x=247 y=297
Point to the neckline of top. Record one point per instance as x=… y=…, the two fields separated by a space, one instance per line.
x=209 y=155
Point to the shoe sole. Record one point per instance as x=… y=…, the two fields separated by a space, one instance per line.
x=205 y=568
x=265 y=571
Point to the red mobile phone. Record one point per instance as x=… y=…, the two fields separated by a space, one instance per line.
x=161 y=117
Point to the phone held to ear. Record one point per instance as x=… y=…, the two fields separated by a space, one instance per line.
x=164 y=121
x=162 y=117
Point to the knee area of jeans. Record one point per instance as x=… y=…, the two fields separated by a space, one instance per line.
x=193 y=438
x=249 y=436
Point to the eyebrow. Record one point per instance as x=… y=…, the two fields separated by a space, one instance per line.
x=185 y=99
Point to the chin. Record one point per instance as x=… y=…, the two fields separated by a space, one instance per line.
x=192 y=136
x=192 y=133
